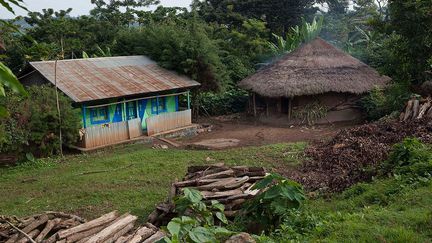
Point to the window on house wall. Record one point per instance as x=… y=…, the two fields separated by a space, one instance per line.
x=99 y=115
x=159 y=108
x=131 y=110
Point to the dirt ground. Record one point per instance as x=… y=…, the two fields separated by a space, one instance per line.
x=247 y=132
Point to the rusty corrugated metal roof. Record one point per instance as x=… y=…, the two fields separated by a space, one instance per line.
x=111 y=77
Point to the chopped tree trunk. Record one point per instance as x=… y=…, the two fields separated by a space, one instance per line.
x=156 y=237
x=48 y=227
x=222 y=174
x=89 y=225
x=30 y=235
x=113 y=228
x=408 y=110
x=121 y=232
x=423 y=109
x=84 y=234
x=416 y=107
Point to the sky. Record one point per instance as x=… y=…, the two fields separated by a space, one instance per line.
x=80 y=7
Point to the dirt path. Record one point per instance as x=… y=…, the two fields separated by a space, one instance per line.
x=247 y=133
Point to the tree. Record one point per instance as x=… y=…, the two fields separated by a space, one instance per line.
x=279 y=15
x=34 y=121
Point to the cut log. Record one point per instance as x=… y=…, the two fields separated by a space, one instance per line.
x=113 y=228
x=156 y=237
x=36 y=223
x=48 y=227
x=119 y=233
x=66 y=215
x=66 y=224
x=237 y=183
x=30 y=235
x=136 y=239
x=222 y=174
x=416 y=108
x=423 y=109
x=52 y=238
x=145 y=232
x=408 y=110
x=197 y=168
x=429 y=113
x=215 y=195
x=109 y=217
x=123 y=239
x=84 y=234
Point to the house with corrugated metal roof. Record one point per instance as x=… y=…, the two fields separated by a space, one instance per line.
x=120 y=98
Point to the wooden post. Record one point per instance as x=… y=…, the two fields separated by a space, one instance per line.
x=137 y=109
x=58 y=108
x=125 y=110
x=83 y=109
x=254 y=105
x=290 y=108
x=188 y=99
x=157 y=105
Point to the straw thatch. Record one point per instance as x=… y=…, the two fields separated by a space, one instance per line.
x=314 y=68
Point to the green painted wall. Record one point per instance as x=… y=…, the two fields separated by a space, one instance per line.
x=117 y=112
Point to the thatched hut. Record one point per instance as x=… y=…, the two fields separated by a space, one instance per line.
x=315 y=81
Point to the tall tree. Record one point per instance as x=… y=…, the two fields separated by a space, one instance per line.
x=279 y=15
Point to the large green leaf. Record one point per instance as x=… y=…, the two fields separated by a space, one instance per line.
x=8 y=79
x=201 y=234
x=192 y=195
x=174 y=226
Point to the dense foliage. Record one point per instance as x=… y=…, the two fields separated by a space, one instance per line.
x=269 y=208
x=33 y=124
x=196 y=221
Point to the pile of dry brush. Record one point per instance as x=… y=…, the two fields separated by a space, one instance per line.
x=353 y=154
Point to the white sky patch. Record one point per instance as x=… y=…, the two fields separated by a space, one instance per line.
x=79 y=7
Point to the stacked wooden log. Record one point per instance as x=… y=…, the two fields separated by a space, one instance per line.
x=231 y=186
x=417 y=108
x=60 y=227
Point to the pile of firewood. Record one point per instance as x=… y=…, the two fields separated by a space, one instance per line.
x=60 y=227
x=417 y=109
x=231 y=186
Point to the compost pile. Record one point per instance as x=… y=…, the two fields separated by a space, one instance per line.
x=231 y=186
x=60 y=227
x=353 y=154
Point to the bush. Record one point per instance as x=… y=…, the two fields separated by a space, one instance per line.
x=196 y=221
x=231 y=101
x=271 y=207
x=381 y=102
x=410 y=157
x=33 y=124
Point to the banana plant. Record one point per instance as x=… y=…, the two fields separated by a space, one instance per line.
x=7 y=78
x=295 y=37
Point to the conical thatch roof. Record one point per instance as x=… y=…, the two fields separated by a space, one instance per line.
x=314 y=68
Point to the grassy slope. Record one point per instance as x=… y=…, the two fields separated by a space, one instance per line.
x=142 y=180
x=382 y=211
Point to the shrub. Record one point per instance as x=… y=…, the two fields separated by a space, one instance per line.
x=271 y=206
x=410 y=157
x=196 y=220
x=231 y=101
x=382 y=102
x=33 y=124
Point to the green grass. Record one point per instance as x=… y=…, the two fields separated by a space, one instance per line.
x=387 y=210
x=383 y=211
x=140 y=178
